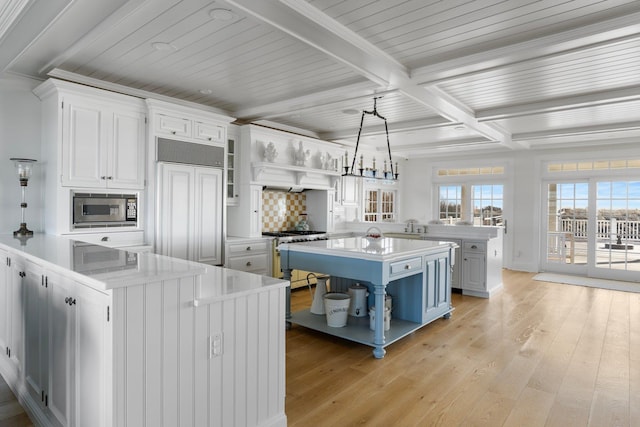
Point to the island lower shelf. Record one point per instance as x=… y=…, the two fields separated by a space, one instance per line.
x=358 y=328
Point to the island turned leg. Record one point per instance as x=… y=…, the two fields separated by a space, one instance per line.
x=378 y=340
x=287 y=276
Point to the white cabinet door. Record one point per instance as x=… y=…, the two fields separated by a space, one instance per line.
x=125 y=155
x=473 y=270
x=208 y=132
x=207 y=219
x=255 y=219
x=84 y=142
x=36 y=328
x=172 y=125
x=102 y=145
x=89 y=332
x=190 y=215
x=16 y=320
x=233 y=161
x=61 y=362
x=5 y=308
x=78 y=354
x=175 y=214
x=350 y=190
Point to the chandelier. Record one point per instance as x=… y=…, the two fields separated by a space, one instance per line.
x=388 y=172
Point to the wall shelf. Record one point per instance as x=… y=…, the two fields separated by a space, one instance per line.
x=300 y=175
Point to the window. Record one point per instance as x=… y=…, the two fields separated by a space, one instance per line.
x=379 y=205
x=471 y=194
x=450 y=203
x=487 y=202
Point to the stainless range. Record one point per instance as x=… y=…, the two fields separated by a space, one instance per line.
x=293 y=236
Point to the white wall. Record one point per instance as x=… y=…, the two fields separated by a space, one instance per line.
x=19 y=137
x=524 y=187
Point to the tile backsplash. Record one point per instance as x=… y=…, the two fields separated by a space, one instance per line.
x=281 y=210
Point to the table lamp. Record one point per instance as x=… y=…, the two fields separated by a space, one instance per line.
x=24 y=168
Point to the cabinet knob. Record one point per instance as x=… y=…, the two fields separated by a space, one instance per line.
x=109 y=177
x=248 y=248
x=103 y=177
x=407 y=267
x=173 y=132
x=248 y=263
x=474 y=247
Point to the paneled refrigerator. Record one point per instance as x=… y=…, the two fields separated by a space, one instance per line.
x=190 y=208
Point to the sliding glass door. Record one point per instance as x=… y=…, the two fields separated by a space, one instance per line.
x=566 y=224
x=592 y=227
x=617 y=235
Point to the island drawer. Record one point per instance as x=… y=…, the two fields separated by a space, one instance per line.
x=404 y=266
x=249 y=263
x=473 y=247
x=249 y=247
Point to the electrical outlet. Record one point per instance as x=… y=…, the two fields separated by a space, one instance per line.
x=215 y=345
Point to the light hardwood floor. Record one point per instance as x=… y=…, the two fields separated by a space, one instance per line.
x=536 y=354
x=11 y=413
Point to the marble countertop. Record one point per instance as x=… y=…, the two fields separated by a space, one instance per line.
x=383 y=249
x=104 y=268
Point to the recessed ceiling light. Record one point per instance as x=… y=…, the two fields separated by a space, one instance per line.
x=164 y=47
x=222 y=15
x=206 y=91
x=350 y=111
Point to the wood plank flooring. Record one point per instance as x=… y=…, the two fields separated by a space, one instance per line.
x=535 y=354
x=11 y=413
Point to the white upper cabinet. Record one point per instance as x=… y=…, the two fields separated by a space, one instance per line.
x=97 y=137
x=185 y=127
x=171 y=125
x=102 y=145
x=208 y=132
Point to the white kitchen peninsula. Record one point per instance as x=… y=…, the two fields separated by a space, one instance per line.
x=97 y=336
x=478 y=271
x=417 y=273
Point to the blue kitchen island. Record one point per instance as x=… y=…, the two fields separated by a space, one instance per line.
x=417 y=273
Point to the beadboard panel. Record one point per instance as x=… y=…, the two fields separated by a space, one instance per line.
x=166 y=376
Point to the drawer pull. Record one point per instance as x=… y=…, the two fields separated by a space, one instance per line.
x=248 y=264
x=474 y=247
x=407 y=267
x=248 y=248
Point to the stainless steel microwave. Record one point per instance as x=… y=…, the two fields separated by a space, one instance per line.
x=104 y=210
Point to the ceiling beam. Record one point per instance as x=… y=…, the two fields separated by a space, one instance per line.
x=582 y=130
x=563 y=103
x=309 y=25
x=360 y=90
x=587 y=37
x=406 y=126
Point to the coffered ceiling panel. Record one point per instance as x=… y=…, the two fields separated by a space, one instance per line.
x=455 y=77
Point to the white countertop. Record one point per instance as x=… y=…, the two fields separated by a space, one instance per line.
x=384 y=249
x=105 y=268
x=224 y=283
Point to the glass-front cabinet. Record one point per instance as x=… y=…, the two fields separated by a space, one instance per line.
x=232 y=165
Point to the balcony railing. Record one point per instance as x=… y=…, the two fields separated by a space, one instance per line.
x=605 y=229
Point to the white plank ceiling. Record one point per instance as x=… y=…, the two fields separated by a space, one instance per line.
x=455 y=76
